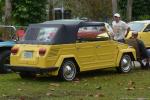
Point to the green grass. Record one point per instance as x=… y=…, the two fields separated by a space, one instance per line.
x=94 y=85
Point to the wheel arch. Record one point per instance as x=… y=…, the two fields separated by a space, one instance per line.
x=132 y=54
x=74 y=60
x=62 y=58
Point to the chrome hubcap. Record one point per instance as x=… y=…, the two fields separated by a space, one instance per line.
x=69 y=71
x=126 y=63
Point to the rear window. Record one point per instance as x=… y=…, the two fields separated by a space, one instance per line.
x=42 y=34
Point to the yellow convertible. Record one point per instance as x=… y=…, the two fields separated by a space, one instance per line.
x=56 y=48
x=143 y=28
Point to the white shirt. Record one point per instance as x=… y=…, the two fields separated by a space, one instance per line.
x=119 y=29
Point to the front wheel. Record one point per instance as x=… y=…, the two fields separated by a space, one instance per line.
x=125 y=64
x=68 y=70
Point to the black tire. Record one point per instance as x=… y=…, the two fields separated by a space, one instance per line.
x=125 y=65
x=4 y=60
x=27 y=75
x=67 y=71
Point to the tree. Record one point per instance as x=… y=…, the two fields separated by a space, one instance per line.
x=129 y=10
x=92 y=9
x=1 y=9
x=29 y=11
x=8 y=10
x=114 y=6
x=140 y=9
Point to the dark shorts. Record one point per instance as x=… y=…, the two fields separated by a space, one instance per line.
x=148 y=52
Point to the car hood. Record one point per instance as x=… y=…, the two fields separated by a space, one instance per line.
x=7 y=43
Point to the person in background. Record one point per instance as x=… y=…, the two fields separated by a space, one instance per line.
x=120 y=28
x=142 y=49
x=20 y=33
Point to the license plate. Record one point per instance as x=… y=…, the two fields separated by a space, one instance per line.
x=28 y=54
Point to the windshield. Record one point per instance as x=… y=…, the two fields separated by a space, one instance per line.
x=41 y=34
x=135 y=26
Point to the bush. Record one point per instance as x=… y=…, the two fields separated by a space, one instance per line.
x=28 y=11
x=145 y=17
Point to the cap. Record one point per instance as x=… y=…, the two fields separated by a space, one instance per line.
x=134 y=32
x=116 y=15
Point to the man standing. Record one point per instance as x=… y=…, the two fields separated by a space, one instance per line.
x=120 y=28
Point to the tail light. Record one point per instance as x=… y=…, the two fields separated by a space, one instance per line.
x=14 y=50
x=42 y=51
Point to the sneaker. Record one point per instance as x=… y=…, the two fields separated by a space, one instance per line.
x=147 y=65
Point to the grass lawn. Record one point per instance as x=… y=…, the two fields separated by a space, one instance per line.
x=94 y=85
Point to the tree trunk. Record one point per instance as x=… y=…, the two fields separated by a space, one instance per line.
x=8 y=10
x=114 y=6
x=129 y=10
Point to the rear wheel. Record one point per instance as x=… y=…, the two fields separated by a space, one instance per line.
x=4 y=61
x=68 y=70
x=27 y=75
x=125 y=64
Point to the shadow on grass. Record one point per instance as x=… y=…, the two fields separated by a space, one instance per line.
x=99 y=72
x=82 y=75
x=107 y=72
x=37 y=79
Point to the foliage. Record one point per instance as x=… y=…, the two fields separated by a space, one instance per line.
x=1 y=9
x=144 y=17
x=28 y=11
x=122 y=8
x=140 y=9
x=92 y=9
x=34 y=11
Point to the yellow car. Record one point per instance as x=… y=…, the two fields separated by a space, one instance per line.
x=56 y=48
x=143 y=29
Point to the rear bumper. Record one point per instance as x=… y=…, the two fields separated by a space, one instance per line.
x=33 y=69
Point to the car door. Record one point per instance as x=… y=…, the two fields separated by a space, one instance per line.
x=85 y=48
x=145 y=36
x=86 y=55
x=106 y=51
